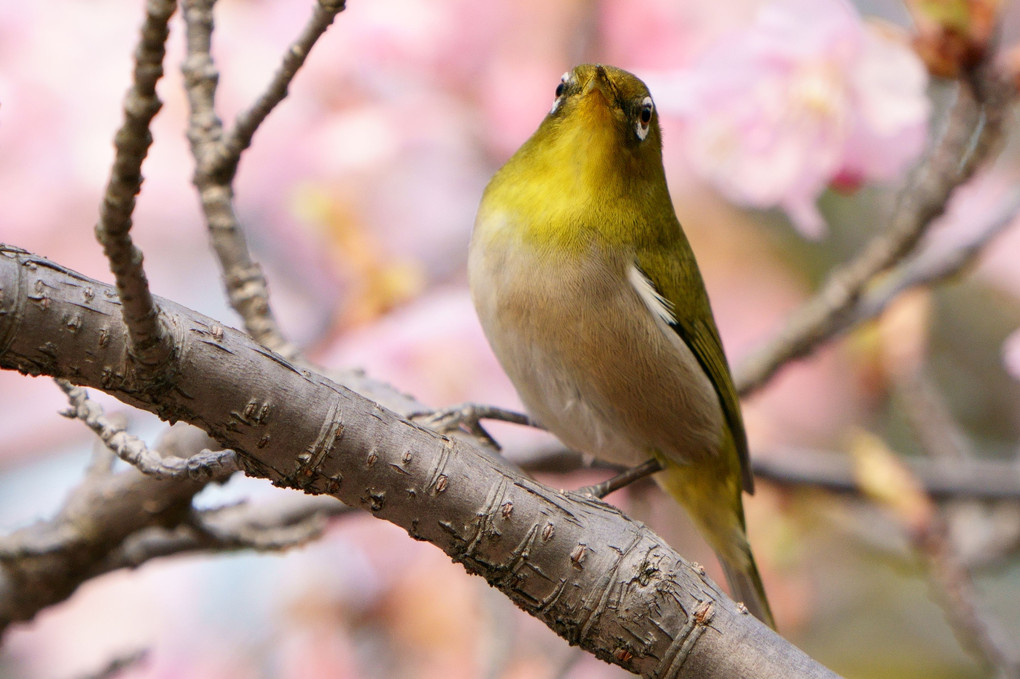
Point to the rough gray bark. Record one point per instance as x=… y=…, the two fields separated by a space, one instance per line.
x=598 y=578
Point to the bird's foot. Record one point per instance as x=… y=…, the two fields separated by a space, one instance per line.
x=624 y=478
x=467 y=417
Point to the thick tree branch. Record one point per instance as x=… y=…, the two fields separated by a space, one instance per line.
x=132 y=144
x=96 y=530
x=593 y=575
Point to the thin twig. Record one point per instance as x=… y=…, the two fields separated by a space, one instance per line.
x=974 y=625
x=972 y=132
x=979 y=533
x=931 y=421
x=929 y=268
x=970 y=620
x=132 y=143
x=245 y=282
x=224 y=164
x=205 y=466
x=103 y=459
x=942 y=479
x=623 y=479
x=217 y=155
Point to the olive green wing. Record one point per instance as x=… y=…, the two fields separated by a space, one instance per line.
x=676 y=281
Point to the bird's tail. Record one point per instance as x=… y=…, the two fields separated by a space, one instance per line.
x=747 y=588
x=713 y=500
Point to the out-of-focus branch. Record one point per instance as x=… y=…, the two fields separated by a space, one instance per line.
x=970 y=620
x=122 y=520
x=974 y=625
x=44 y=563
x=832 y=471
x=933 y=267
x=270 y=526
x=205 y=465
x=265 y=527
x=467 y=417
x=217 y=155
x=132 y=145
x=972 y=132
x=890 y=485
x=942 y=479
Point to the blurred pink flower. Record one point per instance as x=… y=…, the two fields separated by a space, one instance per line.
x=804 y=97
x=667 y=32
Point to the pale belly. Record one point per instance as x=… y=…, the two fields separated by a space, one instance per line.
x=589 y=360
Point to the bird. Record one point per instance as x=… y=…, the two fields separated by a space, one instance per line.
x=588 y=292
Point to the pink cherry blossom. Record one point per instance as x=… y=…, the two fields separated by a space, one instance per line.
x=805 y=96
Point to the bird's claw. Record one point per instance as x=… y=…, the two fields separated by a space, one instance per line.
x=464 y=417
x=624 y=478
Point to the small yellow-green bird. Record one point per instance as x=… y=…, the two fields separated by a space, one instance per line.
x=590 y=296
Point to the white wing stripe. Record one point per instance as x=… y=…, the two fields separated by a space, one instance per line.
x=660 y=307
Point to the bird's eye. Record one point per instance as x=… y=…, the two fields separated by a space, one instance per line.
x=560 y=90
x=644 y=120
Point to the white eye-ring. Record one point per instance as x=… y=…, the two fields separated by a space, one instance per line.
x=560 y=90
x=644 y=119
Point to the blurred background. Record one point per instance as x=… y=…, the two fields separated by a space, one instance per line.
x=788 y=127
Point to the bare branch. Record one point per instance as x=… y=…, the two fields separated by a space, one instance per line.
x=932 y=267
x=267 y=527
x=122 y=520
x=246 y=284
x=943 y=479
x=103 y=459
x=217 y=155
x=205 y=465
x=242 y=532
x=44 y=563
x=224 y=164
x=132 y=145
x=596 y=577
x=970 y=620
x=975 y=479
x=972 y=132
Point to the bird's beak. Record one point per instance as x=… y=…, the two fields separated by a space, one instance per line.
x=599 y=83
